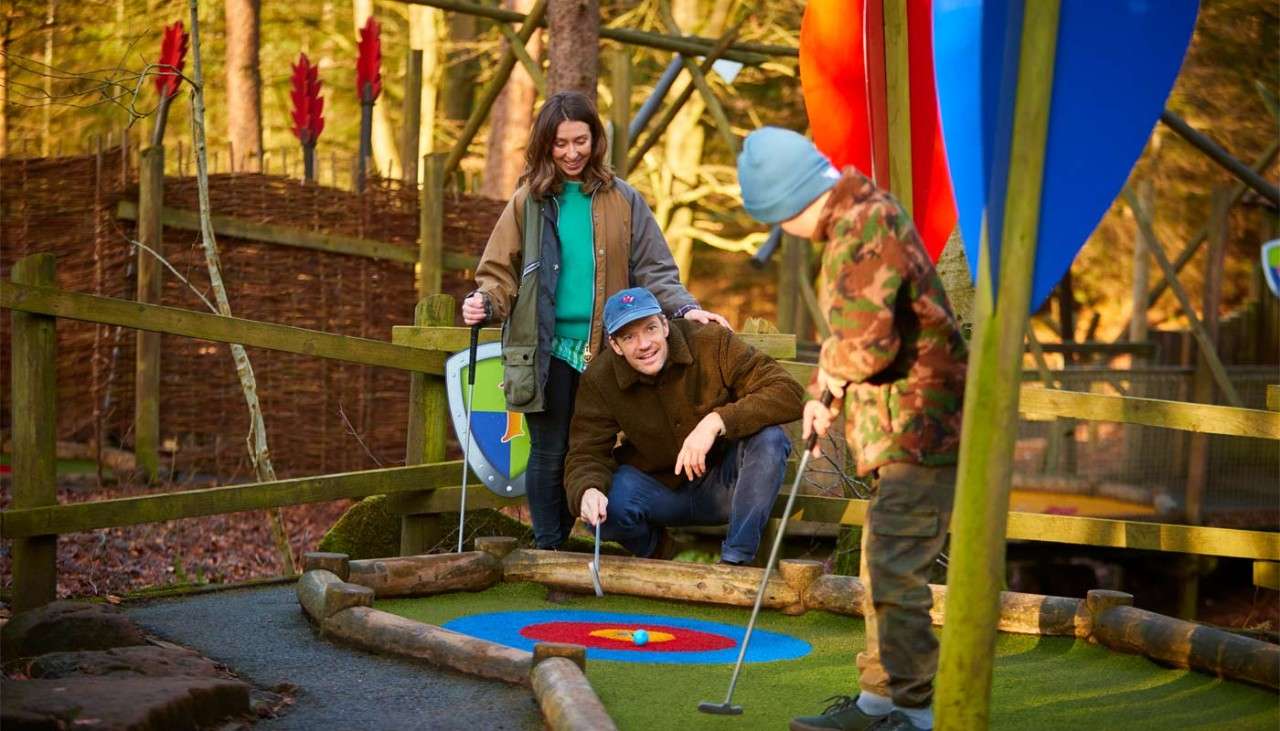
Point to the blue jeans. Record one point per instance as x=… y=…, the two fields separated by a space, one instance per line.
x=740 y=491
x=548 y=443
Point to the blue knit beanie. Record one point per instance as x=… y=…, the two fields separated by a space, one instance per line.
x=781 y=173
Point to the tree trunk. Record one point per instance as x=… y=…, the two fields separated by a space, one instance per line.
x=684 y=138
x=573 y=51
x=509 y=122
x=386 y=153
x=460 y=68
x=424 y=35
x=5 y=36
x=244 y=84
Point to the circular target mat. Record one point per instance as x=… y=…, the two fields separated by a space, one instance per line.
x=609 y=636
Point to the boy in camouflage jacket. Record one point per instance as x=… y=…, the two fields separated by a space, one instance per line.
x=895 y=363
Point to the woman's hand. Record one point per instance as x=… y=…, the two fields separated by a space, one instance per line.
x=705 y=317
x=473 y=309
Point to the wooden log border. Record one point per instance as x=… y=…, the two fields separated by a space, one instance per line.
x=1103 y=617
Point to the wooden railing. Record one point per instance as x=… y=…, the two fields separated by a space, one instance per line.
x=425 y=487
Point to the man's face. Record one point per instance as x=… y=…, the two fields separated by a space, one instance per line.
x=643 y=343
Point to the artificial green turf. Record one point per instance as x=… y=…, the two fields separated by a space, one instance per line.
x=1040 y=682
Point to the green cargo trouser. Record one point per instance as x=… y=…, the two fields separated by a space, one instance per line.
x=905 y=530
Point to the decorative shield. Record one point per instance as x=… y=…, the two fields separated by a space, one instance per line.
x=499 y=439
x=1271 y=265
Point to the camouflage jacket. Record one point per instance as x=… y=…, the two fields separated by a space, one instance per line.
x=894 y=337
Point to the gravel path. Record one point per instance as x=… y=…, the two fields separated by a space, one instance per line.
x=261 y=634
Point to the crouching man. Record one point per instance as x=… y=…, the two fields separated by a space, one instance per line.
x=698 y=411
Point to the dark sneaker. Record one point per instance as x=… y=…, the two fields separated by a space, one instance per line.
x=895 y=721
x=842 y=715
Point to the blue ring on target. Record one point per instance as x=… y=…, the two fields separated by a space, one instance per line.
x=504 y=628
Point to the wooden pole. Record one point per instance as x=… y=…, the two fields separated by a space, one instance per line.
x=412 y=117
x=674 y=108
x=700 y=81
x=1202 y=381
x=531 y=66
x=428 y=428
x=490 y=93
x=788 y=286
x=898 y=100
x=431 y=226
x=752 y=54
x=1264 y=161
x=976 y=573
x=620 y=113
x=1138 y=327
x=146 y=398
x=1207 y=349
x=35 y=418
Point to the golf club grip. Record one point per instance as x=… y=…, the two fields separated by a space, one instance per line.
x=827 y=398
x=475 y=342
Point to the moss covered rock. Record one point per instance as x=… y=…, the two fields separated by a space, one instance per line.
x=366 y=530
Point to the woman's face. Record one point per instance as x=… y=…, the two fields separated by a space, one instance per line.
x=572 y=148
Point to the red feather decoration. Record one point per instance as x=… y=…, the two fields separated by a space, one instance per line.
x=369 y=62
x=173 y=55
x=308 y=105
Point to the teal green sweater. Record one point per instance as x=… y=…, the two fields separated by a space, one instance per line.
x=576 y=286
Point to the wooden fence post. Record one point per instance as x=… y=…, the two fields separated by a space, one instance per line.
x=428 y=427
x=431 y=226
x=976 y=573
x=146 y=399
x=1138 y=328
x=35 y=419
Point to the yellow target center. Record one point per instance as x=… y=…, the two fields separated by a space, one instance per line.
x=626 y=635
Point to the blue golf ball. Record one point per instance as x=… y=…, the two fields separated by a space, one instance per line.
x=640 y=637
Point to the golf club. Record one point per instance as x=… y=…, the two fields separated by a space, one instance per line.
x=727 y=708
x=595 y=565
x=466 y=446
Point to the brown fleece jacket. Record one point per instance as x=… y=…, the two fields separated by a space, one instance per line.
x=708 y=369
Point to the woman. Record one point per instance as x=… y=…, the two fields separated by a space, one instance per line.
x=587 y=234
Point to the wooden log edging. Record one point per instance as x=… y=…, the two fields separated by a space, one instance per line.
x=427 y=574
x=731 y=585
x=322 y=594
x=383 y=632
x=567 y=700
x=1189 y=645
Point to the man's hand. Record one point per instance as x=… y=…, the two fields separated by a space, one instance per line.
x=818 y=418
x=594 y=506
x=693 y=454
x=836 y=386
x=704 y=317
x=473 y=309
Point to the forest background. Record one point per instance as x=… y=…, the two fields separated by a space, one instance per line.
x=75 y=72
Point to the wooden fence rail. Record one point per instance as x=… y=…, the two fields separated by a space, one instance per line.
x=240 y=228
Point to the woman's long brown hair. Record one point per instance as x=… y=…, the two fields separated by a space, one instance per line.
x=540 y=171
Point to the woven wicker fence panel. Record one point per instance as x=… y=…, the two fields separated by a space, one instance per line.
x=321 y=416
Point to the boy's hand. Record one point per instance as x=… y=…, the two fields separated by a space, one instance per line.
x=817 y=419
x=836 y=386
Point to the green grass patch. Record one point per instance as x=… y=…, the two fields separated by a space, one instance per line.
x=1040 y=682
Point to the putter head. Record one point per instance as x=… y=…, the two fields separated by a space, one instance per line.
x=720 y=709
x=595 y=577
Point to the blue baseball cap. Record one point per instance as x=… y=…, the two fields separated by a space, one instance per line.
x=781 y=173
x=629 y=305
